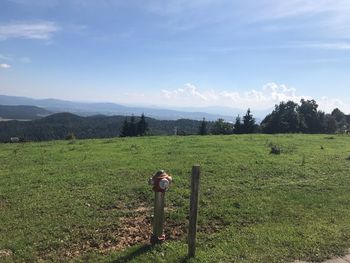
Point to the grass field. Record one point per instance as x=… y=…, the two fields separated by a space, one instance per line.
x=88 y=200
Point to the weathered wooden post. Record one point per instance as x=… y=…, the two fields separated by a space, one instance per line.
x=192 y=231
x=161 y=182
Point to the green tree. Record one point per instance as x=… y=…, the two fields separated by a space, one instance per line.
x=248 y=123
x=125 y=132
x=202 y=130
x=308 y=116
x=142 y=126
x=238 y=127
x=338 y=115
x=133 y=126
x=284 y=118
x=222 y=127
x=329 y=124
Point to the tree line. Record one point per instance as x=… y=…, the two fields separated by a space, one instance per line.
x=287 y=117
x=132 y=128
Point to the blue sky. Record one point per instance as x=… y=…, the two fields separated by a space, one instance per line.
x=177 y=53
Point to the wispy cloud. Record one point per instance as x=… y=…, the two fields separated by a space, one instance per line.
x=14 y=59
x=5 y=57
x=274 y=9
x=327 y=18
x=325 y=45
x=4 y=66
x=269 y=95
x=29 y=30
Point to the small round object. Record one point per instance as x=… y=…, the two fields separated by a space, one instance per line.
x=164 y=184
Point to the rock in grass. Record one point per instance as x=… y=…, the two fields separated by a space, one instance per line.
x=5 y=253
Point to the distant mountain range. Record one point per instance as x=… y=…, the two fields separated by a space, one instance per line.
x=90 y=109
x=109 y=109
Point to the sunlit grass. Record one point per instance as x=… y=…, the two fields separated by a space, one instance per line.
x=55 y=197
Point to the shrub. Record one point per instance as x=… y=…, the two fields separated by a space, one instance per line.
x=70 y=136
x=275 y=149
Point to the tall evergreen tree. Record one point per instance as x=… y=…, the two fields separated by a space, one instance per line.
x=133 y=126
x=203 y=128
x=142 y=126
x=248 y=123
x=125 y=132
x=238 y=125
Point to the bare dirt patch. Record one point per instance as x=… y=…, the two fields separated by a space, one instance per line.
x=3 y=202
x=134 y=227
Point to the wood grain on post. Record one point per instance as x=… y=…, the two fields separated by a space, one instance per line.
x=158 y=220
x=193 y=211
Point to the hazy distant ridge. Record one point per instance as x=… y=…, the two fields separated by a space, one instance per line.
x=22 y=112
x=89 y=109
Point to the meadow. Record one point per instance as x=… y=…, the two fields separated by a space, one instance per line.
x=89 y=200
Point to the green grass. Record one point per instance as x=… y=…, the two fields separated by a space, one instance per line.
x=66 y=201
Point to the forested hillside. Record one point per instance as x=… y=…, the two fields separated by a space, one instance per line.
x=59 y=126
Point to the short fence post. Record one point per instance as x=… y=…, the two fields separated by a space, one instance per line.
x=193 y=211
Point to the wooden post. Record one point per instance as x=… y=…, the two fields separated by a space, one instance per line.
x=158 y=220
x=193 y=211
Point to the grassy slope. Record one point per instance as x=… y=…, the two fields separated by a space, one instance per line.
x=55 y=197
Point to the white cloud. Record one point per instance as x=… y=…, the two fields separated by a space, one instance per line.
x=4 y=66
x=328 y=104
x=269 y=95
x=188 y=92
x=28 y=30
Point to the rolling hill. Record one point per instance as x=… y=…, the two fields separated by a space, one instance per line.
x=22 y=112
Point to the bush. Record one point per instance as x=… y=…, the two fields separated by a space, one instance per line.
x=70 y=137
x=275 y=149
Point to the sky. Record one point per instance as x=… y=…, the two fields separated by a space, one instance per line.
x=177 y=53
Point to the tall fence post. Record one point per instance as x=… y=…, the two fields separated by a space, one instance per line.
x=192 y=231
